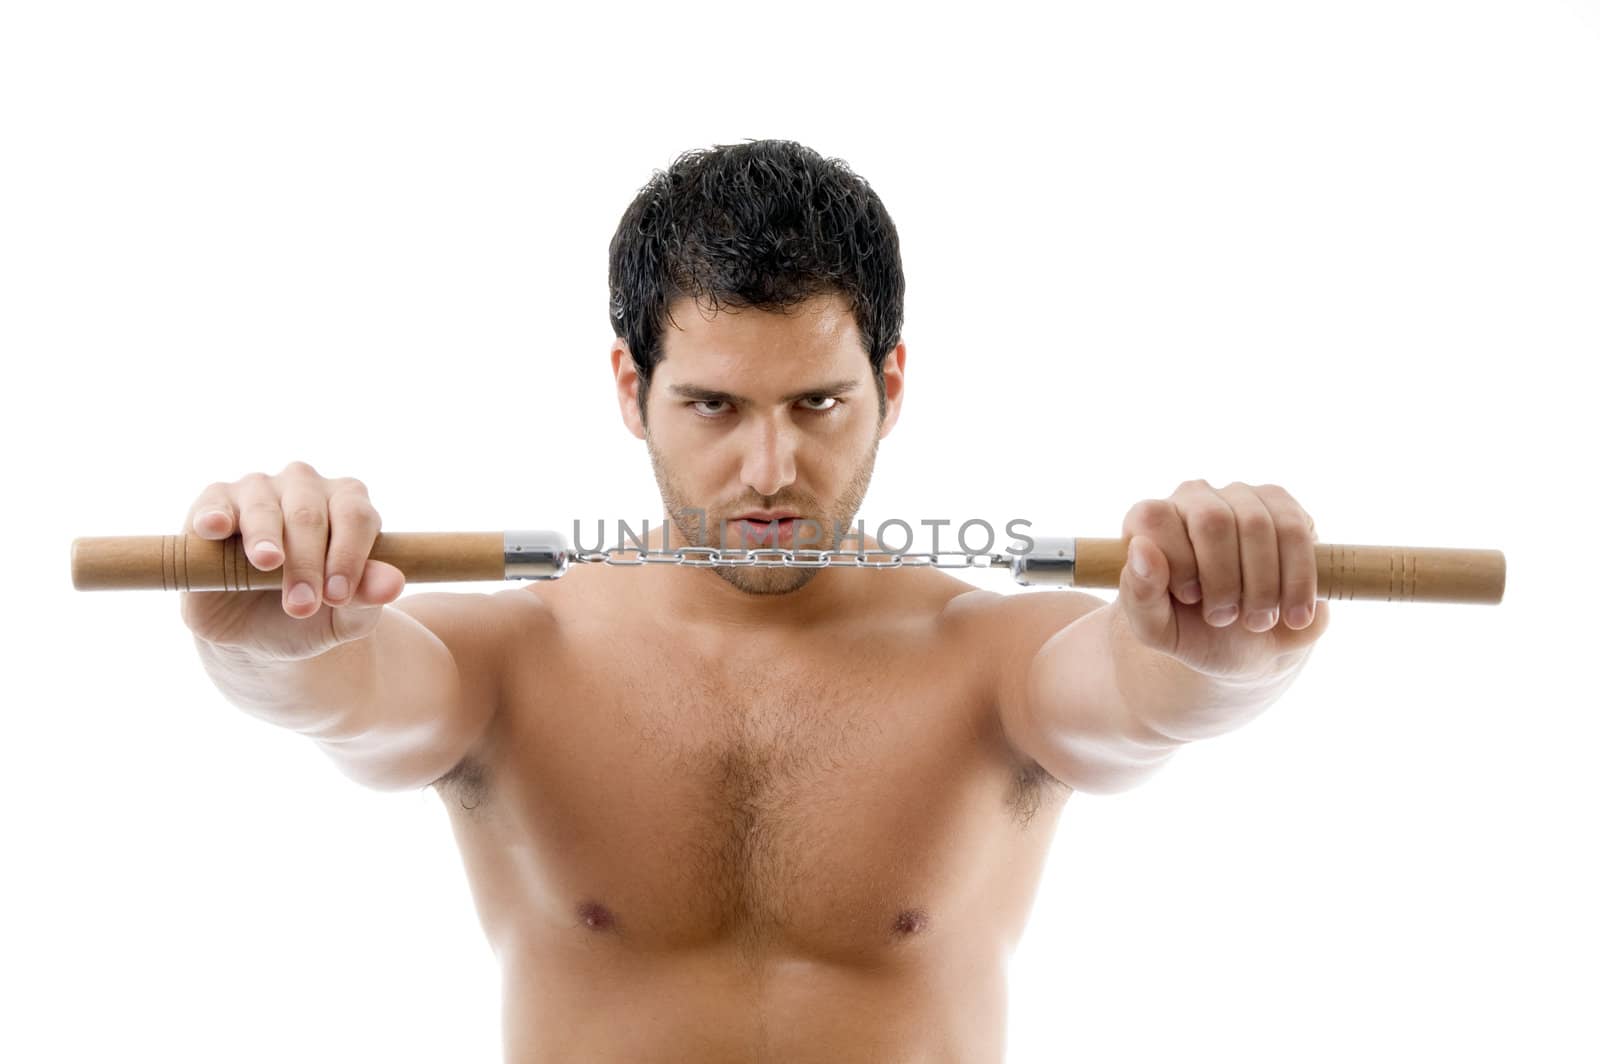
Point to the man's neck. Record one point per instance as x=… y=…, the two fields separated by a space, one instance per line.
x=698 y=597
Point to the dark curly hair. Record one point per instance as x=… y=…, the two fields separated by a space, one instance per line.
x=765 y=224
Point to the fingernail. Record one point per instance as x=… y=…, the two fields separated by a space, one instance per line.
x=302 y=595
x=338 y=587
x=210 y=517
x=266 y=546
x=1222 y=616
x=1299 y=617
x=1191 y=592
x=1261 y=620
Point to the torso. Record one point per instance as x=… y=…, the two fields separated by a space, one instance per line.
x=813 y=847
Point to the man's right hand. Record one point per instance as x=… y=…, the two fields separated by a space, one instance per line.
x=321 y=531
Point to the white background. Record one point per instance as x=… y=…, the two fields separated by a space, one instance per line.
x=1345 y=248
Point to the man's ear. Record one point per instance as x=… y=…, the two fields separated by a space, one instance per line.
x=894 y=383
x=628 y=384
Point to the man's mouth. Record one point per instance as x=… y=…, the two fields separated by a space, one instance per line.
x=755 y=531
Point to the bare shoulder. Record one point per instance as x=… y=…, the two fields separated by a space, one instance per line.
x=1001 y=633
x=1005 y=632
x=473 y=625
x=1016 y=624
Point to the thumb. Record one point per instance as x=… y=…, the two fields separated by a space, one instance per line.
x=381 y=583
x=1144 y=599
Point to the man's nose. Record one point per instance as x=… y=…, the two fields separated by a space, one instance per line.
x=769 y=457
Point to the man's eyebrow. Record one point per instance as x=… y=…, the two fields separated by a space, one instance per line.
x=703 y=395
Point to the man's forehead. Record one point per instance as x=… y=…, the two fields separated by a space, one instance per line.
x=817 y=339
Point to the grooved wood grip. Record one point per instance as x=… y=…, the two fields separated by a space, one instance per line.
x=1351 y=571
x=193 y=563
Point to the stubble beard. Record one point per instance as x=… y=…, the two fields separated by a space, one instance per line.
x=697 y=526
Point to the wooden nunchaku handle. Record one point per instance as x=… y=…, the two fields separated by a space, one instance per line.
x=193 y=563
x=1344 y=570
x=190 y=562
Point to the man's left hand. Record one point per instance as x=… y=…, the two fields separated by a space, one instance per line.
x=1231 y=588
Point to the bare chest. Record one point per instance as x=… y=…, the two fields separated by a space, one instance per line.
x=838 y=801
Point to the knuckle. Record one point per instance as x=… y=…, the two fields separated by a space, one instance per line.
x=1146 y=514
x=1213 y=521
x=261 y=510
x=342 y=561
x=1295 y=533
x=353 y=513
x=347 y=502
x=1255 y=524
x=299 y=468
x=363 y=522
x=254 y=480
x=305 y=565
x=1262 y=588
x=307 y=516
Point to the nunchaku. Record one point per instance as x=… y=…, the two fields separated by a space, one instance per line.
x=189 y=562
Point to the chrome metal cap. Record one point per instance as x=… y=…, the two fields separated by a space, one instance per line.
x=1050 y=563
x=536 y=555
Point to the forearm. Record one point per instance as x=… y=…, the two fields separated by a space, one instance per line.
x=334 y=694
x=1168 y=697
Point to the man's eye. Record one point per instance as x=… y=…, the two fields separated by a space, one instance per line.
x=717 y=407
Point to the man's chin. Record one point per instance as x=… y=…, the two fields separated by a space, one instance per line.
x=764 y=580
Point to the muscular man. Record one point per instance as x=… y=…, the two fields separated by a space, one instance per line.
x=742 y=814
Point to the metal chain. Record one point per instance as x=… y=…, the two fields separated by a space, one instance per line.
x=707 y=557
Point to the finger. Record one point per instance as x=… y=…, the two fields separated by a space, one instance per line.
x=1213 y=533
x=212 y=514
x=1297 y=557
x=381 y=583
x=352 y=529
x=1143 y=598
x=1258 y=557
x=1158 y=521
x=305 y=528
x=260 y=520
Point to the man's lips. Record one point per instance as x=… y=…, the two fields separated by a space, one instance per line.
x=765 y=530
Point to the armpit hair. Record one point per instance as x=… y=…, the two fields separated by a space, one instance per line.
x=1031 y=785
x=467 y=783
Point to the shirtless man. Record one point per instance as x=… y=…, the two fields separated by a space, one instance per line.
x=745 y=814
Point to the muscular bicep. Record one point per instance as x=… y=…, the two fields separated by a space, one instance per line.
x=1008 y=631
x=435 y=706
x=1025 y=622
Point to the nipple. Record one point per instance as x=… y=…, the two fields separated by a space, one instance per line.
x=595 y=916
x=910 y=921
